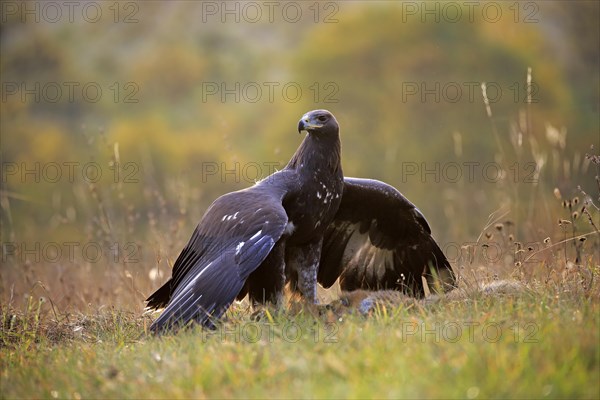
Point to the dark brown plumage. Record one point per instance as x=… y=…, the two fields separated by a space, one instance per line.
x=302 y=224
x=380 y=240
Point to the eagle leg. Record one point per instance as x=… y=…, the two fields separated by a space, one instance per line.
x=303 y=263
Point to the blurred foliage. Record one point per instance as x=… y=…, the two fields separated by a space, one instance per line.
x=153 y=152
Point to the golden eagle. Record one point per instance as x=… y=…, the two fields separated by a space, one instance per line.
x=304 y=224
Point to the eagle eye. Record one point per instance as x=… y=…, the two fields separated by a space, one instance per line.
x=322 y=118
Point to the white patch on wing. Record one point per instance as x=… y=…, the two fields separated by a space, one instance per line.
x=229 y=217
x=257 y=234
x=319 y=195
x=238 y=248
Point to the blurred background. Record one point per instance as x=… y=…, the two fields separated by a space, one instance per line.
x=122 y=121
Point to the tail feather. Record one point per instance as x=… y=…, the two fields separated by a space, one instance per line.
x=160 y=298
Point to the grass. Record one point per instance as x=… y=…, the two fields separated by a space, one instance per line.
x=528 y=345
x=536 y=343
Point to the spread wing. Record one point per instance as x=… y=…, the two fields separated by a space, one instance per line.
x=234 y=237
x=380 y=240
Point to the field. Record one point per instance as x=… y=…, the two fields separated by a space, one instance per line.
x=541 y=344
x=539 y=340
x=122 y=121
x=76 y=328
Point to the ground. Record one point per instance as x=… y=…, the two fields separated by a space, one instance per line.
x=538 y=343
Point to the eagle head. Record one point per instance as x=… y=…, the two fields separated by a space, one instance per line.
x=318 y=121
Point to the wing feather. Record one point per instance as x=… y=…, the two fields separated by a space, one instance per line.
x=380 y=240
x=236 y=234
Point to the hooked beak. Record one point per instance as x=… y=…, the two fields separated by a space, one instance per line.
x=305 y=124
x=301 y=126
